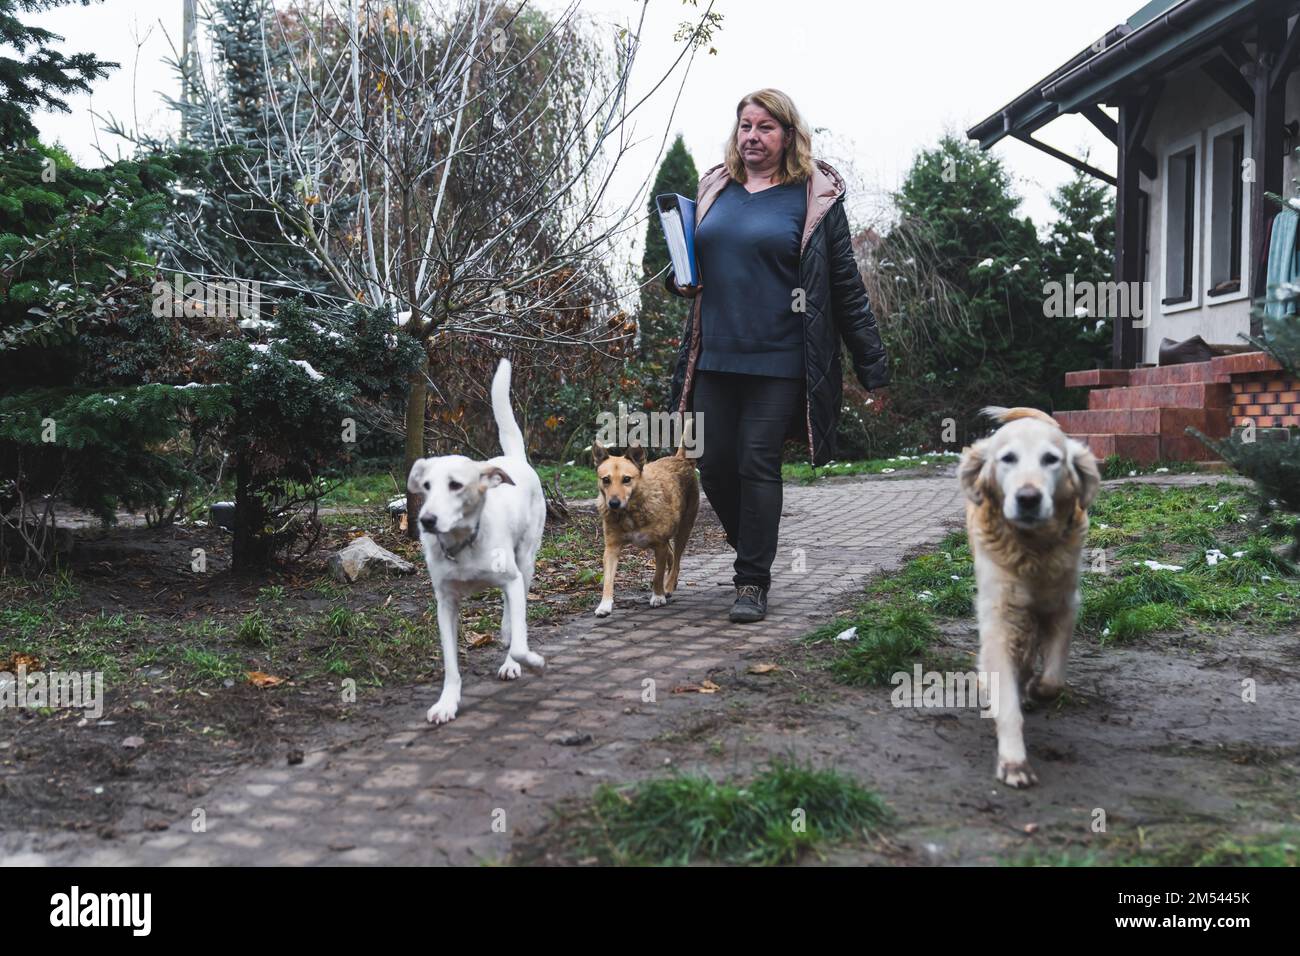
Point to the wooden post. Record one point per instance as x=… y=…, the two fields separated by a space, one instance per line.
x=1266 y=150
x=1128 y=238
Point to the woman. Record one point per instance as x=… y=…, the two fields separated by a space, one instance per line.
x=760 y=353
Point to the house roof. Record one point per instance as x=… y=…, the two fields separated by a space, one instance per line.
x=1158 y=37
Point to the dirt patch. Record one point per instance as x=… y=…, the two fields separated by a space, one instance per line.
x=175 y=651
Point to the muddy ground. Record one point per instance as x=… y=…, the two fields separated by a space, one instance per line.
x=1153 y=755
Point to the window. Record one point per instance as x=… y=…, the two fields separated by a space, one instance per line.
x=1226 y=205
x=1181 y=225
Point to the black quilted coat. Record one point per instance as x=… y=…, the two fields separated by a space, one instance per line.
x=837 y=310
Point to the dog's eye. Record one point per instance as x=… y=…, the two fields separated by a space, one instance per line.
x=455 y=485
x=1009 y=458
x=627 y=479
x=604 y=479
x=1050 y=459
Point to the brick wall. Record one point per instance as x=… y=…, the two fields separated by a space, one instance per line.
x=1270 y=399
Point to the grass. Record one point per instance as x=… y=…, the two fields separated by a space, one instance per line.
x=1117 y=467
x=1281 y=848
x=782 y=813
x=806 y=474
x=1251 y=586
x=897 y=620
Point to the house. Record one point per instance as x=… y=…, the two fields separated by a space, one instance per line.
x=1200 y=98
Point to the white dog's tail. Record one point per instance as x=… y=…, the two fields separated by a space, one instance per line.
x=512 y=439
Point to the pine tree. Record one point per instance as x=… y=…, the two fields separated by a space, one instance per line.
x=663 y=315
x=41 y=77
x=1081 y=245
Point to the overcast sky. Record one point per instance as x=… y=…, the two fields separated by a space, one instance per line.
x=883 y=77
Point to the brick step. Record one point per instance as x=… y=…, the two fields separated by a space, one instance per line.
x=1189 y=373
x=1146 y=449
x=1165 y=422
x=1198 y=395
x=1143 y=449
x=1216 y=370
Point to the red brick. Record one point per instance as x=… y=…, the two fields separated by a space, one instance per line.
x=1254 y=410
x=1255 y=386
x=1244 y=363
x=1290 y=397
x=1266 y=421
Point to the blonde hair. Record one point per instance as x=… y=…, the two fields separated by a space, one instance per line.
x=796 y=160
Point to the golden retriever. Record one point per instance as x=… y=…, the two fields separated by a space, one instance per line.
x=1028 y=487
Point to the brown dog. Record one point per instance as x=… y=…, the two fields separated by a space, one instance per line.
x=645 y=506
x=1028 y=487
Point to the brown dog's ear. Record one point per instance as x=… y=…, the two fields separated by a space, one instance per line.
x=493 y=475
x=598 y=452
x=637 y=455
x=415 y=481
x=971 y=471
x=1083 y=463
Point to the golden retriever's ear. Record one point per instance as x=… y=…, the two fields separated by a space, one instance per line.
x=972 y=471
x=415 y=481
x=1086 y=473
x=494 y=475
x=598 y=453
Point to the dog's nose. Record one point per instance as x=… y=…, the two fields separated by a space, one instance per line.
x=1028 y=500
x=429 y=524
x=615 y=503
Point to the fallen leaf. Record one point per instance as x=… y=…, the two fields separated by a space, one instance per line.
x=258 y=679
x=708 y=687
x=131 y=743
x=480 y=639
x=17 y=660
x=761 y=668
x=1030 y=828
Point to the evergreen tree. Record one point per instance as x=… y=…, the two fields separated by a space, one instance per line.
x=41 y=76
x=1081 y=245
x=663 y=316
x=966 y=325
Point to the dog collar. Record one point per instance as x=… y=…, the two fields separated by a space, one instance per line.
x=450 y=553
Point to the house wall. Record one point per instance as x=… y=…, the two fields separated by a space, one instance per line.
x=1191 y=105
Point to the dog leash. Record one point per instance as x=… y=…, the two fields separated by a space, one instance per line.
x=450 y=555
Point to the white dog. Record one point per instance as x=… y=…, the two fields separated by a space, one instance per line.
x=480 y=526
x=1028 y=487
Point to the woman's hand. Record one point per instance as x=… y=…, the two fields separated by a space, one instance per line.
x=690 y=291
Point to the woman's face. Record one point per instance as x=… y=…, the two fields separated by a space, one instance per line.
x=760 y=139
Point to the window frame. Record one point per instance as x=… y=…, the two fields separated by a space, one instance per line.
x=1242 y=121
x=1194 y=144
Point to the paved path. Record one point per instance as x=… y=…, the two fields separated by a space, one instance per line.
x=459 y=793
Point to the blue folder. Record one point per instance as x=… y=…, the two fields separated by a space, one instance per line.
x=677 y=219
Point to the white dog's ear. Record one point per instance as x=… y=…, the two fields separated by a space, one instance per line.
x=493 y=476
x=1086 y=473
x=971 y=472
x=415 y=482
x=636 y=454
x=598 y=452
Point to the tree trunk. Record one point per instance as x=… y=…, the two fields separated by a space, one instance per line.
x=249 y=547
x=416 y=399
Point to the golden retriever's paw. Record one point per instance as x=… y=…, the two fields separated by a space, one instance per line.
x=509 y=670
x=1041 y=692
x=1016 y=774
x=603 y=608
x=443 y=711
x=658 y=600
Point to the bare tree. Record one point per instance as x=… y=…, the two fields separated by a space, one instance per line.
x=451 y=161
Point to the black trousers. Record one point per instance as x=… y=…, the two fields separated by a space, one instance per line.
x=745 y=419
